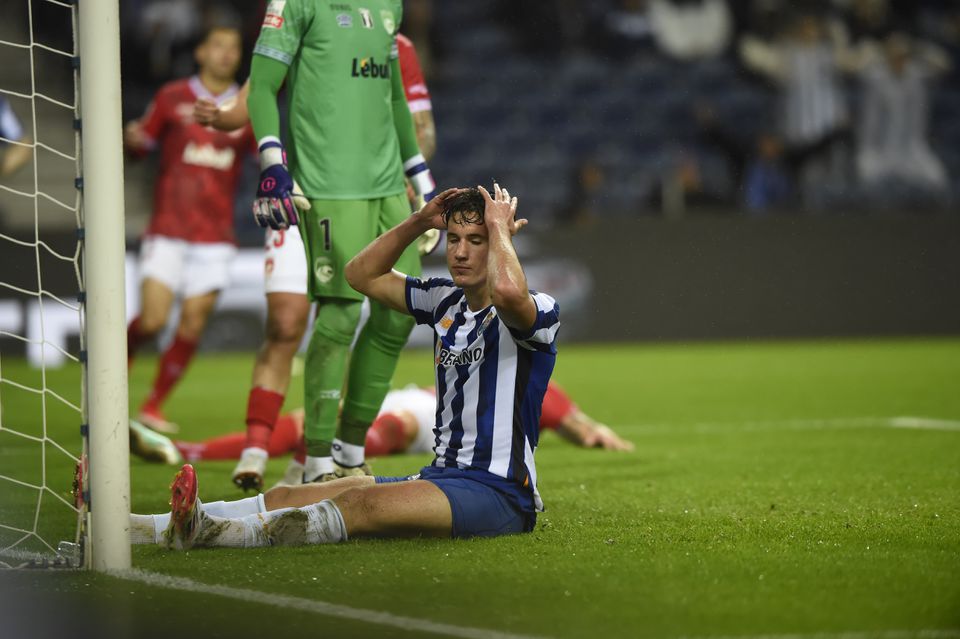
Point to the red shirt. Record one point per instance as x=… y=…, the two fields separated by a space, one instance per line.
x=199 y=166
x=418 y=97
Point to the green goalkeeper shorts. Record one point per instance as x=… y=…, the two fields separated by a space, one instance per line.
x=335 y=230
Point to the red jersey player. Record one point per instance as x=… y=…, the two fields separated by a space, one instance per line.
x=189 y=242
x=285 y=268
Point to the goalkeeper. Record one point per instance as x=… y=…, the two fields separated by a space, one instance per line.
x=350 y=139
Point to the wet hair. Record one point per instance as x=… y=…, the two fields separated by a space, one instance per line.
x=467 y=206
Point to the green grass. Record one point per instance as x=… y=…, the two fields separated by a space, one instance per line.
x=733 y=517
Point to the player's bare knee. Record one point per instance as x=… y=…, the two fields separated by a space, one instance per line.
x=150 y=324
x=286 y=326
x=358 y=508
x=277 y=497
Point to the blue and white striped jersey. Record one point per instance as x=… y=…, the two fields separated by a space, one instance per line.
x=490 y=384
x=10 y=127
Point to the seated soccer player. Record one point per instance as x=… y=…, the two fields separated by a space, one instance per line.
x=495 y=348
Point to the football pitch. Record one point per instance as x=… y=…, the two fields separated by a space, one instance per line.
x=778 y=489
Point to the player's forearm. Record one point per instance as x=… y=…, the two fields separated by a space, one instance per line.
x=236 y=114
x=505 y=278
x=426 y=133
x=266 y=78
x=402 y=120
x=380 y=256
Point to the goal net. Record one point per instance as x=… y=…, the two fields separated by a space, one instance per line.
x=52 y=288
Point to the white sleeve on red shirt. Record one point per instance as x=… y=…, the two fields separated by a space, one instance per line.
x=414 y=86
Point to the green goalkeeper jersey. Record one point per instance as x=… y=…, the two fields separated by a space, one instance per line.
x=341 y=138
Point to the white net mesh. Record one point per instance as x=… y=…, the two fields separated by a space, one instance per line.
x=41 y=310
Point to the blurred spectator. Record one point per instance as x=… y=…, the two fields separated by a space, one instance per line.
x=892 y=147
x=806 y=63
x=14 y=142
x=687 y=29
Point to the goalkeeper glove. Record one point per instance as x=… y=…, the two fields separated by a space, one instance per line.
x=425 y=189
x=278 y=195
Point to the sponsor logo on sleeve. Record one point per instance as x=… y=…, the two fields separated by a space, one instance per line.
x=274 y=17
x=366 y=18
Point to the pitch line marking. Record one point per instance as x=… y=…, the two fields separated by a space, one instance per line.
x=319 y=607
x=945 y=633
x=837 y=423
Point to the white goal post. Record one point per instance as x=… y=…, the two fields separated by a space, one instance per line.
x=103 y=261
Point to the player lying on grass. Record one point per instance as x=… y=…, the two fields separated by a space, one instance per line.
x=404 y=425
x=495 y=348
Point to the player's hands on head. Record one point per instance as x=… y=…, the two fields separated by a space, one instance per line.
x=430 y=213
x=206 y=112
x=501 y=208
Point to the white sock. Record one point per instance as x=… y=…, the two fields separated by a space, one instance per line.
x=317 y=466
x=148 y=529
x=236 y=509
x=320 y=523
x=142 y=529
x=347 y=455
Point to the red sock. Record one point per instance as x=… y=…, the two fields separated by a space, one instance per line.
x=556 y=405
x=172 y=366
x=300 y=454
x=135 y=339
x=286 y=438
x=263 y=408
x=224 y=447
x=385 y=436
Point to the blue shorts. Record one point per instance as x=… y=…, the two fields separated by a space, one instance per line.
x=478 y=510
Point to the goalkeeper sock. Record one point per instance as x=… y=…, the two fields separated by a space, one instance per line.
x=385 y=436
x=371 y=368
x=347 y=455
x=324 y=371
x=173 y=364
x=263 y=409
x=320 y=523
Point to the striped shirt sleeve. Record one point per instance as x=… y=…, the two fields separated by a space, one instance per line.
x=542 y=336
x=423 y=297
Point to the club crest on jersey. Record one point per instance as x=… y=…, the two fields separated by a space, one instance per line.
x=486 y=322
x=323 y=270
x=344 y=20
x=386 y=16
x=366 y=18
